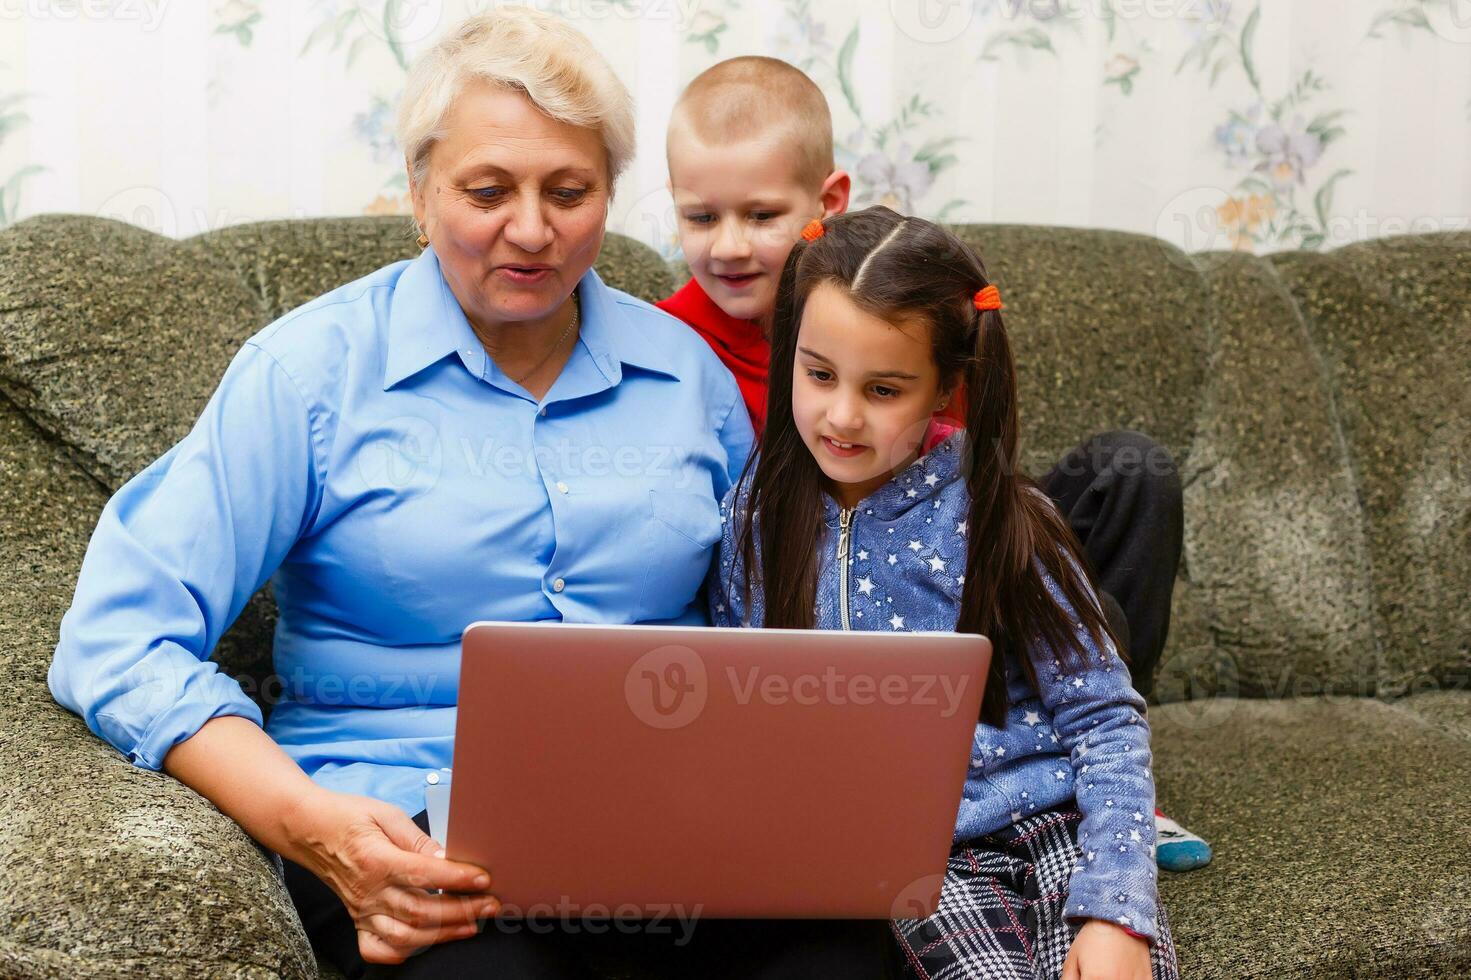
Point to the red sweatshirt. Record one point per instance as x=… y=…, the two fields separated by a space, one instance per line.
x=739 y=343
x=744 y=349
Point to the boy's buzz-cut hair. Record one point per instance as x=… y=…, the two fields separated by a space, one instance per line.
x=754 y=96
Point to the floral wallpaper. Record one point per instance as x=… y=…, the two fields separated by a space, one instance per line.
x=1245 y=124
x=12 y=118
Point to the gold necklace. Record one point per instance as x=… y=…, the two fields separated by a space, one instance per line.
x=571 y=325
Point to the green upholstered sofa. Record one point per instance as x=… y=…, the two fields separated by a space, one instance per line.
x=1313 y=717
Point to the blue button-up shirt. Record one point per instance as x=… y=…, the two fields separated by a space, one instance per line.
x=366 y=456
x=1079 y=736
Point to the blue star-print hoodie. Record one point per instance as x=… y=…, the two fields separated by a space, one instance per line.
x=897 y=562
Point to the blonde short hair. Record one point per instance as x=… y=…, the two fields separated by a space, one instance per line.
x=758 y=96
x=526 y=50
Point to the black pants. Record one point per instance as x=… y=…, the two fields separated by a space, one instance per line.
x=1120 y=492
x=777 y=949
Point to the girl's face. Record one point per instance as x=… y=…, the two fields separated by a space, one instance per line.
x=863 y=391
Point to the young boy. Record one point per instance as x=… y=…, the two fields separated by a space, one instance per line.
x=750 y=154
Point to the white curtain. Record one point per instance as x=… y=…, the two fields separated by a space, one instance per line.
x=1251 y=124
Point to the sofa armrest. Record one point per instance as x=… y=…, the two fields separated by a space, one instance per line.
x=121 y=869
x=106 y=869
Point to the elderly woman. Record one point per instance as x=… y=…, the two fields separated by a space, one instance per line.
x=487 y=432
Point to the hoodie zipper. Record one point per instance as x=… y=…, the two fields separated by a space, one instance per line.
x=845 y=523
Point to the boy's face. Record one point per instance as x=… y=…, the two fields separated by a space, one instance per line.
x=740 y=209
x=863 y=391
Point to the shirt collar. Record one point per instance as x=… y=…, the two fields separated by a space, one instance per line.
x=612 y=336
x=426 y=324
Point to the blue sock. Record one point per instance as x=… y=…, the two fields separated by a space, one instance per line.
x=1177 y=849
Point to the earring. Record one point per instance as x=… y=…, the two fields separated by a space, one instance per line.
x=423 y=240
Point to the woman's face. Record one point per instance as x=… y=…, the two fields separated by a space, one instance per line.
x=514 y=203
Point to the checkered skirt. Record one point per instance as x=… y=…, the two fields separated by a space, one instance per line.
x=1000 y=914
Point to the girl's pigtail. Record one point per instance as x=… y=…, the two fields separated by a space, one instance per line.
x=1014 y=533
x=997 y=541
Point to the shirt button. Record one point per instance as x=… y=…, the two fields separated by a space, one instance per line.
x=559 y=585
x=561 y=486
x=432 y=778
x=543 y=410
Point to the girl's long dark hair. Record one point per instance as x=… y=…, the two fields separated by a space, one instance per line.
x=899 y=268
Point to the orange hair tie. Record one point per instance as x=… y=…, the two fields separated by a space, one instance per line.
x=814 y=230
x=989 y=299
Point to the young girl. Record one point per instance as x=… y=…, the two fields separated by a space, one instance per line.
x=859 y=512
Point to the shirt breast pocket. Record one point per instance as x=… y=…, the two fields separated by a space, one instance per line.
x=682 y=532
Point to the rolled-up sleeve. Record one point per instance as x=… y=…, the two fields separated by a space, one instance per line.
x=177 y=552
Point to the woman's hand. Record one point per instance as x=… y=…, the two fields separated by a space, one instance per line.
x=379 y=863
x=1104 y=951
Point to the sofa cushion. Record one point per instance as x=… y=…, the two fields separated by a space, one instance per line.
x=112 y=337
x=1448 y=710
x=1337 y=827
x=1391 y=320
x=1274 y=542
